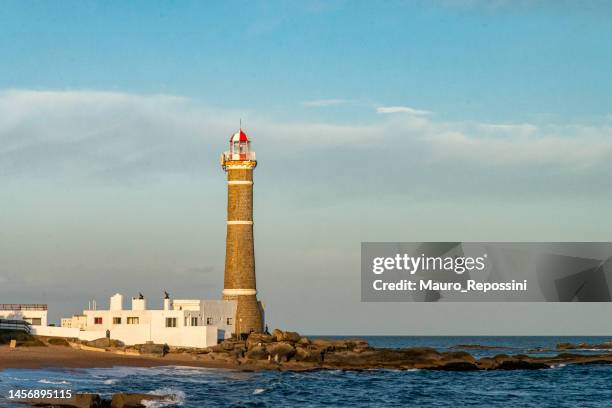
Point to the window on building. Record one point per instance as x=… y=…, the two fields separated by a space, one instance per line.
x=97 y=320
x=170 y=321
x=36 y=321
x=229 y=321
x=209 y=321
x=116 y=320
x=194 y=321
x=132 y=320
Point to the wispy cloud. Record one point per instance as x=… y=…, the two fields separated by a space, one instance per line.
x=321 y=103
x=402 y=109
x=118 y=136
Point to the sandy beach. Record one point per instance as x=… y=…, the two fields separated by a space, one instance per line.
x=61 y=356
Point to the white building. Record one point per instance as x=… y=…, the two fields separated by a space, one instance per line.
x=76 y=321
x=181 y=323
x=35 y=314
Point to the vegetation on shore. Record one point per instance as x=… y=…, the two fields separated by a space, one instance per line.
x=23 y=339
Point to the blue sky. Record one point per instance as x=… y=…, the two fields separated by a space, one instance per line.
x=467 y=60
x=413 y=121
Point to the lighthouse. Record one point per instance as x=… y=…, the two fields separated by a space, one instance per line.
x=239 y=279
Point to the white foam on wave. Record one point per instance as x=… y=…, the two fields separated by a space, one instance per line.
x=560 y=365
x=110 y=381
x=177 y=398
x=258 y=391
x=44 y=381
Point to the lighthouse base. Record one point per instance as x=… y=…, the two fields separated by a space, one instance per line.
x=249 y=314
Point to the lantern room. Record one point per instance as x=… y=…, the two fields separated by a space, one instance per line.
x=240 y=150
x=240 y=147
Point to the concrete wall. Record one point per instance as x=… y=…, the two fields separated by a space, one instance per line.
x=52 y=331
x=194 y=336
x=91 y=335
x=131 y=334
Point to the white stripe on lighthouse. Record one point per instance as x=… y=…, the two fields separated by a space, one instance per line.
x=239 y=292
x=239 y=182
x=240 y=223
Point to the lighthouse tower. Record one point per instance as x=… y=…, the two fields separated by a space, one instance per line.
x=239 y=281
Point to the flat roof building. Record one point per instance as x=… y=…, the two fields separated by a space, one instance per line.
x=33 y=313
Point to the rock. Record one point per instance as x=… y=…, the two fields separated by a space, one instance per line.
x=304 y=341
x=505 y=362
x=286 y=336
x=516 y=364
x=486 y=363
x=597 y=346
x=127 y=400
x=103 y=342
x=384 y=357
x=281 y=352
x=155 y=349
x=217 y=348
x=308 y=356
x=339 y=345
x=276 y=334
x=223 y=356
x=459 y=355
x=356 y=343
x=58 y=341
x=77 y=401
x=257 y=353
x=291 y=337
x=324 y=344
x=255 y=339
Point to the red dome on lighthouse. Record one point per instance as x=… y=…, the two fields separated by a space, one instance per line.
x=239 y=136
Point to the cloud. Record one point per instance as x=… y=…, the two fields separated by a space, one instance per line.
x=559 y=148
x=322 y=103
x=123 y=137
x=402 y=109
x=104 y=134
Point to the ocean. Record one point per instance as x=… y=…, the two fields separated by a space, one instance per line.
x=563 y=386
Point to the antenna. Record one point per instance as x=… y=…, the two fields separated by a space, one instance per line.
x=240 y=123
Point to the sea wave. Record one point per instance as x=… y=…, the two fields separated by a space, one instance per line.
x=176 y=397
x=45 y=381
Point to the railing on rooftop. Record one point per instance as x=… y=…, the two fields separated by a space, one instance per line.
x=228 y=156
x=22 y=306
x=20 y=325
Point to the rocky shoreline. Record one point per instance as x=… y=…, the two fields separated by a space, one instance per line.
x=290 y=351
